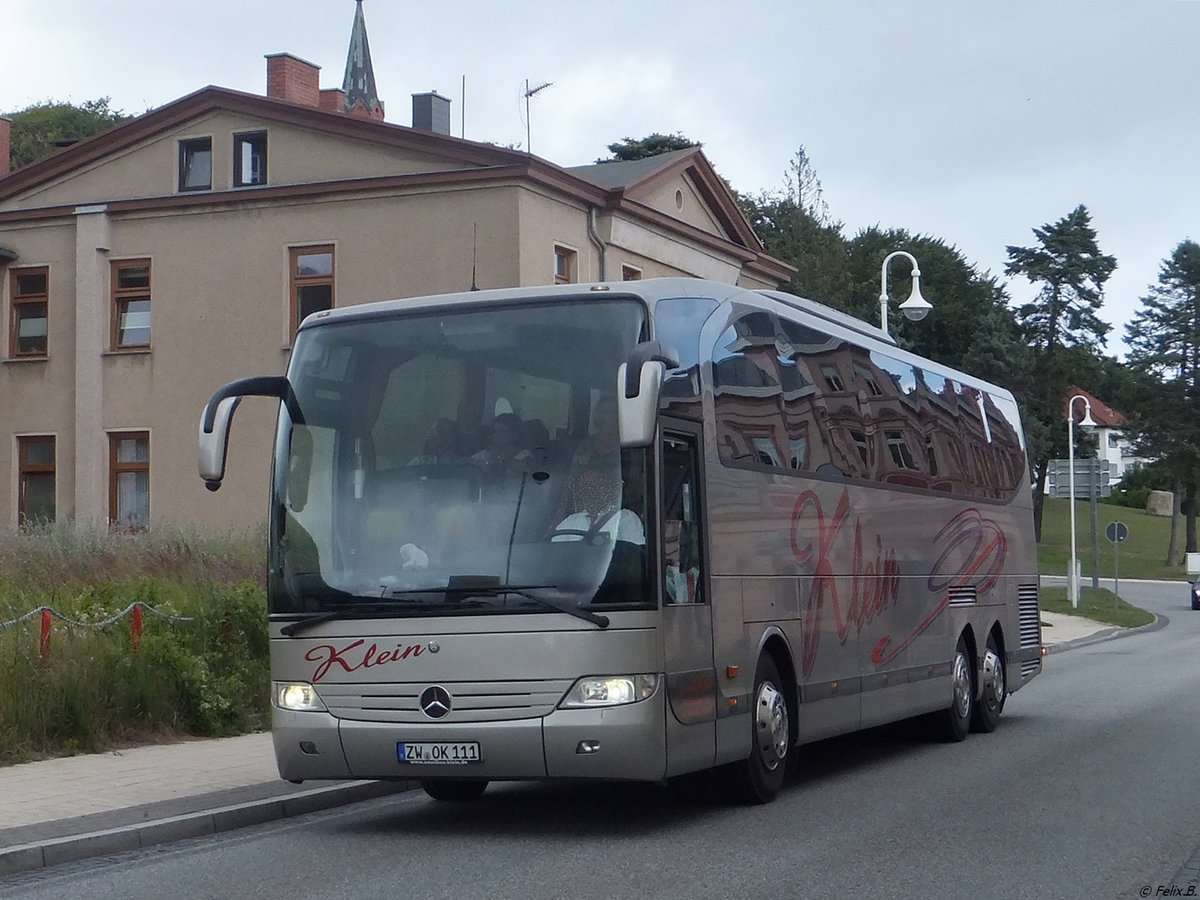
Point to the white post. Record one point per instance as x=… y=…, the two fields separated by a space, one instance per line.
x=1087 y=424
x=1072 y=572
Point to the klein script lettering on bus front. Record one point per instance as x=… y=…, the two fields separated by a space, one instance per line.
x=973 y=549
x=353 y=657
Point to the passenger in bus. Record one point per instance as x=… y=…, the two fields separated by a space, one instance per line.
x=442 y=447
x=506 y=451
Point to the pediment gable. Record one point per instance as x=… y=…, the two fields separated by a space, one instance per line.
x=682 y=185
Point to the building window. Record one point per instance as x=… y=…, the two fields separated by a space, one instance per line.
x=250 y=159
x=833 y=378
x=129 y=480
x=798 y=444
x=35 y=491
x=898 y=447
x=868 y=379
x=564 y=265
x=30 y=293
x=311 y=282
x=631 y=273
x=863 y=448
x=131 y=304
x=765 y=451
x=195 y=164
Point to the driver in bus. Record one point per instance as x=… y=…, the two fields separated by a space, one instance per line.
x=592 y=497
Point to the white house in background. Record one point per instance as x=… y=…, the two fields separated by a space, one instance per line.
x=1111 y=443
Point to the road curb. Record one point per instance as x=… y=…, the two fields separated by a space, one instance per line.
x=55 y=851
x=1107 y=634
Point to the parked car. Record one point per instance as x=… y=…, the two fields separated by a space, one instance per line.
x=1195 y=592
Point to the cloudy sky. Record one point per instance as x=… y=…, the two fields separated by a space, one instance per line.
x=969 y=120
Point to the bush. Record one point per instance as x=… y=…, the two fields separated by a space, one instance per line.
x=208 y=676
x=1133 y=491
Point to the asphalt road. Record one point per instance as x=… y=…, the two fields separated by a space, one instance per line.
x=1089 y=788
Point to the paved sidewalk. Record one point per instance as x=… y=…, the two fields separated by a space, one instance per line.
x=1060 y=629
x=61 y=810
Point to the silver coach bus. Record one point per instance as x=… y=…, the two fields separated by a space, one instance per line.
x=629 y=531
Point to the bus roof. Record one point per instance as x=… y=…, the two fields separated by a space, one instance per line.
x=651 y=290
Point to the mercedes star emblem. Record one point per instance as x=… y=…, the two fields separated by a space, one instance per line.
x=435 y=702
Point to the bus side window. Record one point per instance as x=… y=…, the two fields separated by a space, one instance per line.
x=683 y=567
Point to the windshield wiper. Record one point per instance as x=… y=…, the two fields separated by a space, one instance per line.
x=346 y=612
x=461 y=587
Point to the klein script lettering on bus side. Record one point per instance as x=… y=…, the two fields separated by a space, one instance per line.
x=352 y=657
x=973 y=549
x=874 y=587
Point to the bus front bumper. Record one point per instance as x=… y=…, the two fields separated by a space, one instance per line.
x=618 y=742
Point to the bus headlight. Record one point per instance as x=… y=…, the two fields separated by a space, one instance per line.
x=297 y=696
x=609 y=690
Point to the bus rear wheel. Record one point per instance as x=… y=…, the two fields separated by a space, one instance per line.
x=991 y=701
x=455 y=790
x=760 y=778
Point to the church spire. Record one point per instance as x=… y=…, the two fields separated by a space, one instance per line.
x=359 y=83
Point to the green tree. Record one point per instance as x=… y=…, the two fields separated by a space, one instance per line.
x=651 y=145
x=1061 y=327
x=1164 y=350
x=1072 y=271
x=794 y=226
x=39 y=130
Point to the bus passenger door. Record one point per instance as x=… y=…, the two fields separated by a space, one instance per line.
x=687 y=611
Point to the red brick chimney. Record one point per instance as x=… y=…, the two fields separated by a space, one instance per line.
x=5 y=126
x=292 y=78
x=333 y=100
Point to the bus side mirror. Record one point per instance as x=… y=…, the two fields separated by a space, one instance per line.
x=639 y=384
x=218 y=414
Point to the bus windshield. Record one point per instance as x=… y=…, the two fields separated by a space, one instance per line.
x=461 y=460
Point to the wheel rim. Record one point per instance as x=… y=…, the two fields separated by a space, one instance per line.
x=962 y=686
x=993 y=675
x=771 y=720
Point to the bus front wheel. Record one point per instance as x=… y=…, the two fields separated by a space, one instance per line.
x=761 y=776
x=455 y=790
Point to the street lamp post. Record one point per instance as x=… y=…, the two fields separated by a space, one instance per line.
x=1087 y=424
x=916 y=307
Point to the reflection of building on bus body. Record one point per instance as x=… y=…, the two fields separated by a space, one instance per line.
x=802 y=530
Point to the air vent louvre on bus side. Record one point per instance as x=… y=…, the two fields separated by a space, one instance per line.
x=963 y=595
x=1028 y=616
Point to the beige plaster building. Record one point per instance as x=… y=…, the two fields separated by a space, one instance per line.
x=144 y=267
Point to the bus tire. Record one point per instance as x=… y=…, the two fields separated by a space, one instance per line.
x=761 y=776
x=953 y=724
x=993 y=694
x=454 y=790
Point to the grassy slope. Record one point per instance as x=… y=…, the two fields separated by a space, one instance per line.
x=1143 y=555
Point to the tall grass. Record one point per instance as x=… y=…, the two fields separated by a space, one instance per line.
x=207 y=676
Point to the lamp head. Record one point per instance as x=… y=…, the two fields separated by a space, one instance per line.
x=916 y=307
x=1087 y=423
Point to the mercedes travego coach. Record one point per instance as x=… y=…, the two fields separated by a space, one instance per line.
x=629 y=531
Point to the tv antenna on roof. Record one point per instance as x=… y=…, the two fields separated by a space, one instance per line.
x=529 y=92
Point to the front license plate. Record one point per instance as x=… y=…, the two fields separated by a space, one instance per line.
x=431 y=754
